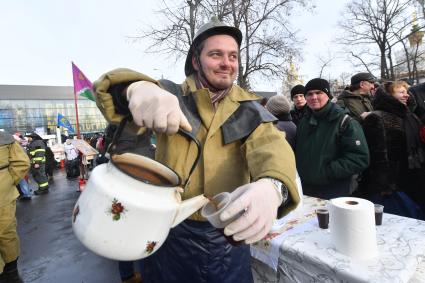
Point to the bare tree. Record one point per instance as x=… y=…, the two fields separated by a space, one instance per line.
x=268 y=40
x=422 y=6
x=372 y=23
x=324 y=62
x=345 y=78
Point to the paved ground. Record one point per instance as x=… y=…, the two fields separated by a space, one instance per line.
x=49 y=250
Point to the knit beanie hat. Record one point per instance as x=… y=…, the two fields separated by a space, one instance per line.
x=278 y=105
x=297 y=90
x=318 y=84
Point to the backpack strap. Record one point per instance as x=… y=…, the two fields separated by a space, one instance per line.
x=345 y=121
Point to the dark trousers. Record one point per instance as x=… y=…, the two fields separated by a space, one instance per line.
x=40 y=176
x=197 y=252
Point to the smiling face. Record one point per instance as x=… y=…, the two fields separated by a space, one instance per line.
x=400 y=93
x=219 y=60
x=316 y=99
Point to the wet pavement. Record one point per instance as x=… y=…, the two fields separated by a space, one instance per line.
x=49 y=250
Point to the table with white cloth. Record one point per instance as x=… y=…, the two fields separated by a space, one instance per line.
x=299 y=251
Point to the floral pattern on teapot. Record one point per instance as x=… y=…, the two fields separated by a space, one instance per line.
x=150 y=246
x=116 y=209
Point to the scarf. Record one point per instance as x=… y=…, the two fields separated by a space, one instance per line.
x=415 y=150
x=216 y=94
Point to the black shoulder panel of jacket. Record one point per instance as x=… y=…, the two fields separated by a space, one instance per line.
x=120 y=101
x=244 y=121
x=240 y=124
x=187 y=104
x=6 y=138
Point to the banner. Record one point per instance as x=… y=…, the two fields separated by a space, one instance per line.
x=82 y=86
x=62 y=121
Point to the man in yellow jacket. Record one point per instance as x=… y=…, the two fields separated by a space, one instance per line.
x=242 y=153
x=14 y=165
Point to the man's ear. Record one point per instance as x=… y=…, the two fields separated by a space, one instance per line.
x=195 y=63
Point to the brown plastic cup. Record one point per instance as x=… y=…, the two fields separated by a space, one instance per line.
x=323 y=217
x=379 y=211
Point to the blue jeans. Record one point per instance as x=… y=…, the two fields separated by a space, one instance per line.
x=25 y=188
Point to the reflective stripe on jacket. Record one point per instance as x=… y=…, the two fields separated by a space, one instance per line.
x=37 y=151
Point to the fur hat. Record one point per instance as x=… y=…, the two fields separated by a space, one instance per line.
x=297 y=90
x=278 y=105
x=318 y=84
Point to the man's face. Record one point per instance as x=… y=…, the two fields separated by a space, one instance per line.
x=219 y=60
x=299 y=100
x=367 y=87
x=316 y=99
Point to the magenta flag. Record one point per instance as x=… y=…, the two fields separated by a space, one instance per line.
x=82 y=86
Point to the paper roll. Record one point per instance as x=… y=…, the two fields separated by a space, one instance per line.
x=352 y=226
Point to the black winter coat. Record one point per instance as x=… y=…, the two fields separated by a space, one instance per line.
x=418 y=91
x=385 y=133
x=298 y=114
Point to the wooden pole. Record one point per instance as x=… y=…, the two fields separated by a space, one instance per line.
x=76 y=115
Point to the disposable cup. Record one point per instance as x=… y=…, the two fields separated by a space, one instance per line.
x=212 y=210
x=379 y=211
x=323 y=217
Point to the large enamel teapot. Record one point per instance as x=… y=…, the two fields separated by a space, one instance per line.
x=129 y=205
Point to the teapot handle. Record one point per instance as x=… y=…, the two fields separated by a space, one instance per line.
x=182 y=132
x=117 y=134
x=190 y=136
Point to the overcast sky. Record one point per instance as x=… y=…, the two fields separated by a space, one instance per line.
x=40 y=38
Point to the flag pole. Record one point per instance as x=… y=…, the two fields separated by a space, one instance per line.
x=76 y=115
x=76 y=108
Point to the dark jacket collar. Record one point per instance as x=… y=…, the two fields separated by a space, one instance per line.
x=302 y=109
x=352 y=95
x=329 y=112
x=386 y=102
x=284 y=117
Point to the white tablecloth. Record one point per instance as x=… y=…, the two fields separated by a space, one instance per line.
x=300 y=251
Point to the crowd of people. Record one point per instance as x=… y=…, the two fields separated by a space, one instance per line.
x=367 y=142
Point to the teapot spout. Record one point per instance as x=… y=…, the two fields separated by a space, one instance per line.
x=188 y=207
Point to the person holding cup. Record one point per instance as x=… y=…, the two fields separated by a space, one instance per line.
x=242 y=153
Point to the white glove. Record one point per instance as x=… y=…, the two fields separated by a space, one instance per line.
x=155 y=108
x=260 y=201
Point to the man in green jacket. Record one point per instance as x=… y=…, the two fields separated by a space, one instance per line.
x=331 y=147
x=14 y=165
x=357 y=100
x=242 y=153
